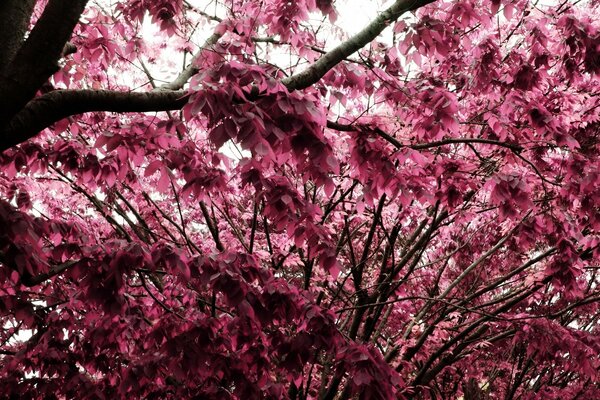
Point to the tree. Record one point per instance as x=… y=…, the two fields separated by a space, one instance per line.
x=411 y=211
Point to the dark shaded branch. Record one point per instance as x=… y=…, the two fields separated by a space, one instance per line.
x=212 y=227
x=497 y=282
x=15 y=15
x=37 y=59
x=45 y=110
x=357 y=272
x=56 y=270
x=166 y=216
x=513 y=147
x=425 y=375
x=157 y=300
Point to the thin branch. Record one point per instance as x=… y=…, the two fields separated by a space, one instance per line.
x=157 y=300
x=423 y=377
x=254 y=226
x=211 y=224
x=30 y=281
x=420 y=146
x=189 y=242
x=192 y=69
x=358 y=271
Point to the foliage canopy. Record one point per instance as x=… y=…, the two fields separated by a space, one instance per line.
x=410 y=211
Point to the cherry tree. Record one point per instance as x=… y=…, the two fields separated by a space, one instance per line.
x=242 y=199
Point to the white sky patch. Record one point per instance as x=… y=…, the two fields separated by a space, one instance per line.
x=354 y=15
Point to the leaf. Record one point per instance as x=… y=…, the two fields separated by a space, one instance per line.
x=508 y=11
x=153 y=167
x=164 y=182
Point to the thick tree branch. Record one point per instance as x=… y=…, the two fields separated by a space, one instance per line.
x=45 y=110
x=37 y=59
x=15 y=15
x=317 y=70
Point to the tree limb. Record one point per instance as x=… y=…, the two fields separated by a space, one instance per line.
x=420 y=146
x=37 y=59
x=317 y=70
x=192 y=69
x=16 y=15
x=45 y=110
x=30 y=281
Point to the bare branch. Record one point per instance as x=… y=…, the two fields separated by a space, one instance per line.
x=421 y=146
x=514 y=147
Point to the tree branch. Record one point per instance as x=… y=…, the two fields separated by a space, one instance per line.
x=317 y=70
x=30 y=281
x=37 y=59
x=513 y=147
x=15 y=15
x=192 y=69
x=420 y=146
x=45 y=110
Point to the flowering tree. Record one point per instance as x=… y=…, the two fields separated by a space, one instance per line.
x=411 y=211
